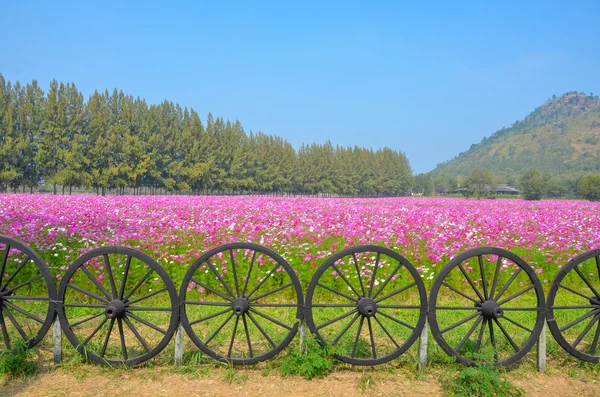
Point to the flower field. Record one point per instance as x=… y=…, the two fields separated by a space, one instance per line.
x=175 y=230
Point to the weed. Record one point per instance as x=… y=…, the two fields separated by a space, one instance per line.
x=310 y=361
x=18 y=362
x=230 y=375
x=366 y=382
x=482 y=380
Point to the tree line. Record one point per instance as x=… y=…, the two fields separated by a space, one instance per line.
x=113 y=142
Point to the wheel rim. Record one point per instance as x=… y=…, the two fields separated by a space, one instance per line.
x=574 y=307
x=119 y=306
x=367 y=302
x=27 y=295
x=486 y=305
x=241 y=303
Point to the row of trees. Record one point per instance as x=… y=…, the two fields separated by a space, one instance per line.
x=114 y=141
x=533 y=184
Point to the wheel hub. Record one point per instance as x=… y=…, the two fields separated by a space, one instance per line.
x=115 y=309
x=367 y=307
x=490 y=309
x=594 y=301
x=240 y=306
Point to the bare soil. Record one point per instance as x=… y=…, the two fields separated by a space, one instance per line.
x=90 y=380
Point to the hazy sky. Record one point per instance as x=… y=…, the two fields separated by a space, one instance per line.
x=428 y=79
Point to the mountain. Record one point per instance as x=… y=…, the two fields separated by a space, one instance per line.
x=561 y=137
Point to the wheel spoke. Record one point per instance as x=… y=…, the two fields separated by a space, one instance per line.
x=95 y=331
x=218 y=329
x=506 y=335
x=12 y=276
x=574 y=307
x=96 y=282
x=397 y=320
x=27 y=298
x=480 y=337
x=459 y=323
x=3 y=265
x=575 y=292
x=466 y=275
x=513 y=296
x=586 y=281
x=262 y=331
x=24 y=312
x=147 y=323
x=577 y=321
x=235 y=280
x=237 y=320
x=374 y=275
x=214 y=291
x=122 y=334
x=111 y=279
x=386 y=332
x=337 y=292
x=274 y=305
x=247 y=335
x=387 y=280
x=90 y=306
x=33 y=280
x=362 y=320
x=15 y=323
x=85 y=320
x=483 y=281
x=396 y=292
x=373 y=350
x=226 y=304
x=270 y=292
x=220 y=278
x=399 y=307
x=595 y=342
x=149 y=309
x=263 y=280
x=4 y=332
x=137 y=334
x=271 y=319
x=124 y=282
x=526 y=309
x=105 y=345
x=585 y=331
x=469 y=333
x=459 y=292
x=336 y=319
x=362 y=286
x=496 y=274
x=517 y=324
x=493 y=339
x=86 y=292
x=346 y=328
x=249 y=273
x=457 y=308
x=126 y=298
x=332 y=305
x=210 y=316
x=508 y=283
x=345 y=279
x=151 y=294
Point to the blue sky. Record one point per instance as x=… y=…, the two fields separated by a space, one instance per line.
x=426 y=78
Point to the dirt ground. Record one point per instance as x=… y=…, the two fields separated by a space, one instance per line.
x=97 y=381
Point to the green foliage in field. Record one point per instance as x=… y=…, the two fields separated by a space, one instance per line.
x=18 y=362
x=589 y=187
x=311 y=361
x=482 y=380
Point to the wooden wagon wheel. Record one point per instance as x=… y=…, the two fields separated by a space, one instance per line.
x=368 y=303
x=241 y=303
x=27 y=295
x=574 y=307
x=119 y=306
x=486 y=305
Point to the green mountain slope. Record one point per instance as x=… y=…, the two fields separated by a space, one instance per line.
x=561 y=137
